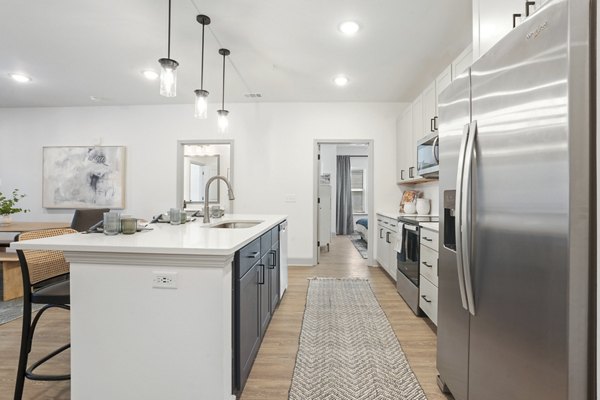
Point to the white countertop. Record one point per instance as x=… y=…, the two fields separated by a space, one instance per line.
x=192 y=238
x=395 y=215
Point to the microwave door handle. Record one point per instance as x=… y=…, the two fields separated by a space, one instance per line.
x=467 y=212
x=458 y=216
x=436 y=156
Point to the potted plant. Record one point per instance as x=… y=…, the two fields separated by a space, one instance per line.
x=8 y=207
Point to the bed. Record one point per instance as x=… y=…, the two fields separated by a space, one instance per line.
x=362 y=228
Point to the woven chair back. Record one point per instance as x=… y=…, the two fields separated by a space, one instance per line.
x=45 y=264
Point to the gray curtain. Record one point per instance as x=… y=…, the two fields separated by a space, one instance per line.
x=344 y=222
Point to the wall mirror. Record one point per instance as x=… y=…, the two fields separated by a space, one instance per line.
x=197 y=162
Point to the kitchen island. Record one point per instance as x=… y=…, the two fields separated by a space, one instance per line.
x=151 y=313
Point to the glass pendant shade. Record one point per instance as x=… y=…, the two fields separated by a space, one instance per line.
x=222 y=120
x=168 y=77
x=201 y=105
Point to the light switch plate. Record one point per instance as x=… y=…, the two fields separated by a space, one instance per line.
x=290 y=198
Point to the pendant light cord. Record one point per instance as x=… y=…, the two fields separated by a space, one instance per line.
x=169 y=34
x=202 y=62
x=223 y=97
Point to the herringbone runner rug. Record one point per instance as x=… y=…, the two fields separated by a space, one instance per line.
x=348 y=350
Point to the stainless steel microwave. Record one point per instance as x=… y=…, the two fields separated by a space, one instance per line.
x=428 y=156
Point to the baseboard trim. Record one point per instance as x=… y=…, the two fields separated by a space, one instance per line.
x=300 y=262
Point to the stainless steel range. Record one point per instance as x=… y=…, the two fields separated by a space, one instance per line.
x=407 y=275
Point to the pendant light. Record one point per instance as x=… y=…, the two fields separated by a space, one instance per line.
x=222 y=113
x=201 y=104
x=168 y=67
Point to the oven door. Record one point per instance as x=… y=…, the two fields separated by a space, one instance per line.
x=408 y=258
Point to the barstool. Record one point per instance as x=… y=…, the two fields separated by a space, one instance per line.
x=45 y=281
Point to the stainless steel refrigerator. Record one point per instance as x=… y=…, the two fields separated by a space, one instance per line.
x=515 y=319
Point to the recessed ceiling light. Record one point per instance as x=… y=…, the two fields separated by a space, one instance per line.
x=22 y=78
x=150 y=75
x=341 y=80
x=349 y=28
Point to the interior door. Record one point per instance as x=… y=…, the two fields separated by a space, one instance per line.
x=520 y=214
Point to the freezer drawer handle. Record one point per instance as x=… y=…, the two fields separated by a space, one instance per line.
x=425 y=298
x=427 y=264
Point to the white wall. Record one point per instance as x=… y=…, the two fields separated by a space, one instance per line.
x=273 y=160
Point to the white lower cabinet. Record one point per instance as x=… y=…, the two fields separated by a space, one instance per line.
x=428 y=269
x=385 y=251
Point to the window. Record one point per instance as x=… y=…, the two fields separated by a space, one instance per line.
x=358 y=190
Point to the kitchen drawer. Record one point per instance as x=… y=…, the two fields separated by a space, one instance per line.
x=430 y=239
x=265 y=243
x=275 y=235
x=248 y=256
x=429 y=264
x=428 y=298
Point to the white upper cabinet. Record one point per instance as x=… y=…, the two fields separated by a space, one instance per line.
x=492 y=19
x=429 y=99
x=417 y=133
x=403 y=140
x=462 y=62
x=442 y=82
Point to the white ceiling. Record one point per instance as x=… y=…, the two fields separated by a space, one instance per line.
x=287 y=50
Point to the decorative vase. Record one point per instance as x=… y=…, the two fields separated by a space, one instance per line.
x=410 y=208
x=5 y=220
x=423 y=206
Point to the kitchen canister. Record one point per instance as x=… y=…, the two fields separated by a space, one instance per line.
x=423 y=206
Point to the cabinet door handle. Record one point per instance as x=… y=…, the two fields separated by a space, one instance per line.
x=401 y=175
x=425 y=298
x=254 y=254
x=427 y=239
x=380 y=233
x=273 y=263
x=528 y=5
x=427 y=264
x=515 y=16
x=261 y=276
x=431 y=128
x=387 y=237
x=410 y=172
x=435 y=127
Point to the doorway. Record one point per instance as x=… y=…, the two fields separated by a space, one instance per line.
x=343 y=195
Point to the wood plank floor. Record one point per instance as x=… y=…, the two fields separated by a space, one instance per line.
x=272 y=372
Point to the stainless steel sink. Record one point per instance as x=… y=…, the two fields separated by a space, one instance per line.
x=235 y=224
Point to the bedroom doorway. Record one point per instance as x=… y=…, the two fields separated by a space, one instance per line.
x=343 y=188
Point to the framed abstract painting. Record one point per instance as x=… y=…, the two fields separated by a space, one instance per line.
x=84 y=177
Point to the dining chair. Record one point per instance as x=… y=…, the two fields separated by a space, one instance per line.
x=84 y=219
x=45 y=281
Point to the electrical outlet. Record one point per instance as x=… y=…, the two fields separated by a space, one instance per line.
x=164 y=280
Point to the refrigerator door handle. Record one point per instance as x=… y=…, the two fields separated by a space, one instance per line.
x=466 y=214
x=458 y=216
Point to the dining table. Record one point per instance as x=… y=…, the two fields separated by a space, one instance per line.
x=12 y=282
